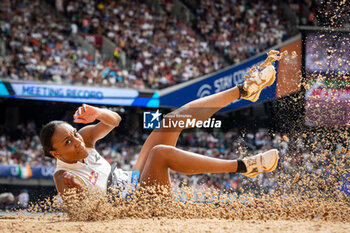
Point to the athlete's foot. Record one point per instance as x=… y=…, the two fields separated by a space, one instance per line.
x=256 y=81
x=264 y=162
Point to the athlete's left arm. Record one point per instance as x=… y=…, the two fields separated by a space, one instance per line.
x=92 y=133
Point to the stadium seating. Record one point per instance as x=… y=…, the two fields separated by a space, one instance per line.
x=161 y=50
x=239 y=29
x=40 y=47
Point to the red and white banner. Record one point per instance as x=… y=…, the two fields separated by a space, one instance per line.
x=96 y=40
x=328 y=94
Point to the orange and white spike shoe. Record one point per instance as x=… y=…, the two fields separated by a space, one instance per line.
x=253 y=85
x=260 y=163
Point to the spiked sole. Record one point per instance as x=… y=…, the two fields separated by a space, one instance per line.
x=269 y=83
x=271 y=169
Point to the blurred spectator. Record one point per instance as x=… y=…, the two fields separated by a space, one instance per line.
x=59 y=5
x=6 y=199
x=23 y=199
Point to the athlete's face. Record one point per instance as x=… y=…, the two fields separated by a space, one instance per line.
x=68 y=145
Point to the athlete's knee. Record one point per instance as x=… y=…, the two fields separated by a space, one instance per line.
x=159 y=152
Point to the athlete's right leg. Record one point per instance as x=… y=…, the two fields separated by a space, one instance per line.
x=203 y=108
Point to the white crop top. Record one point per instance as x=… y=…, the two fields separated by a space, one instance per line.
x=93 y=172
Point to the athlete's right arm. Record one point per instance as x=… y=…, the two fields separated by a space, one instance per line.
x=65 y=181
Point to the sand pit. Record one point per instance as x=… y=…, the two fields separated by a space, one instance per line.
x=61 y=224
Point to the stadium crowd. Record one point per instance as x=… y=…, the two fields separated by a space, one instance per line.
x=321 y=12
x=23 y=147
x=40 y=47
x=239 y=29
x=162 y=50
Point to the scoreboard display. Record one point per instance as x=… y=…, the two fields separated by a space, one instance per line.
x=327 y=69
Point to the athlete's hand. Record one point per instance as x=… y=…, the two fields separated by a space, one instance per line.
x=72 y=182
x=86 y=114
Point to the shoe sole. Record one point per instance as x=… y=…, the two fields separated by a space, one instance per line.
x=272 y=168
x=275 y=164
x=256 y=97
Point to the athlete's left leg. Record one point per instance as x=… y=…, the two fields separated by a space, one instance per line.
x=161 y=158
